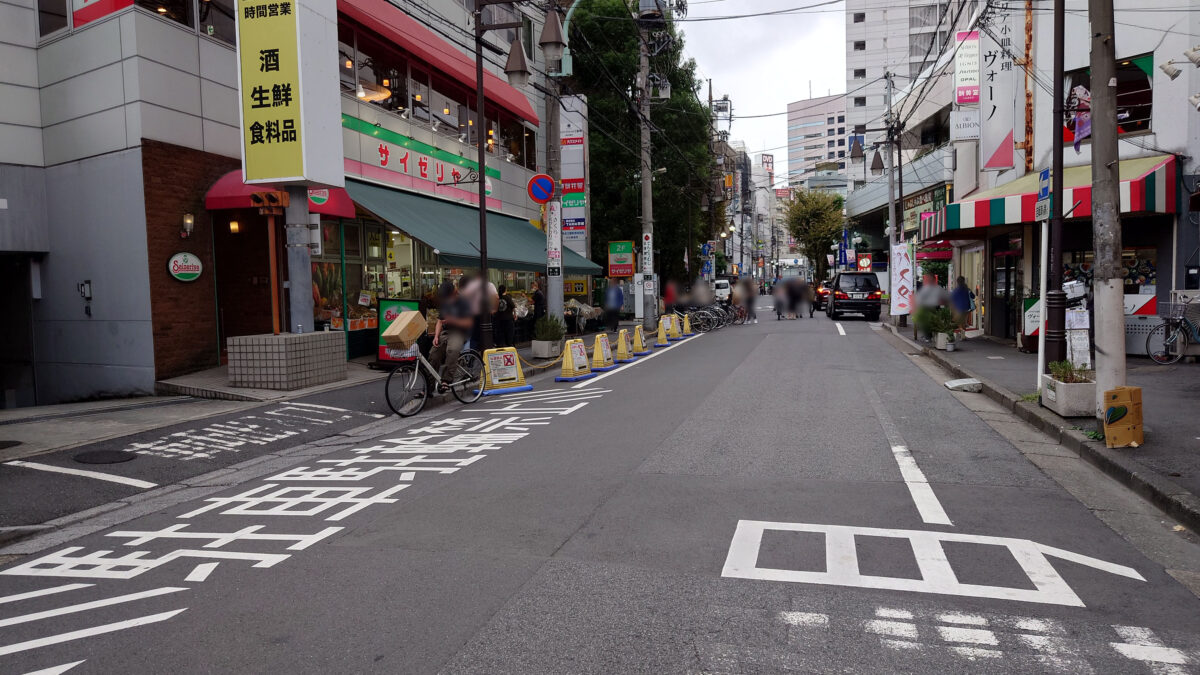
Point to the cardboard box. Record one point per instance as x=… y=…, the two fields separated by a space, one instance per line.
x=1123 y=417
x=1123 y=435
x=1123 y=395
x=405 y=330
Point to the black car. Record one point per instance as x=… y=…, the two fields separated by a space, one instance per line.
x=855 y=292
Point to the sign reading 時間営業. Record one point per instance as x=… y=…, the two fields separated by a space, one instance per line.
x=288 y=136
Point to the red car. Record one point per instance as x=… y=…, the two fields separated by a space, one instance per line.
x=822 y=294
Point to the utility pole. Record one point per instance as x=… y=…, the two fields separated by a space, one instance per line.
x=894 y=238
x=649 y=292
x=1107 y=284
x=1056 y=300
x=554 y=284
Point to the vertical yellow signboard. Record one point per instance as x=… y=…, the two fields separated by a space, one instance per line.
x=269 y=87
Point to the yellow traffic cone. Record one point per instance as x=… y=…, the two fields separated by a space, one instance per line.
x=602 y=358
x=639 y=341
x=661 y=340
x=687 y=326
x=673 y=328
x=624 y=347
x=575 y=362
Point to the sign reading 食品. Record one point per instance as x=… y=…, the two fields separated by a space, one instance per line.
x=290 y=126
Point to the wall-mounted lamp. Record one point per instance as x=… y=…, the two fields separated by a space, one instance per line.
x=234 y=227
x=189 y=223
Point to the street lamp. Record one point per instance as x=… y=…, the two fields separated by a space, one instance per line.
x=877 y=164
x=517 y=70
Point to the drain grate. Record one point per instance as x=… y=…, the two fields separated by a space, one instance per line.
x=104 y=457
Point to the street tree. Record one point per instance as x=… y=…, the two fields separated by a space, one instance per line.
x=814 y=219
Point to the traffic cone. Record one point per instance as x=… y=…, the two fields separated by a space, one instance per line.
x=661 y=339
x=639 y=341
x=602 y=358
x=624 y=347
x=687 y=326
x=575 y=362
x=673 y=328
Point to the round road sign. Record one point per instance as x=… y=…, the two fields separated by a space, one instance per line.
x=541 y=188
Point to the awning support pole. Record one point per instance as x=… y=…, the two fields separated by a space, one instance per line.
x=274 y=250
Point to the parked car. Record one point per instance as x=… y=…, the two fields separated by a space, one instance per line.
x=821 y=293
x=857 y=293
x=721 y=290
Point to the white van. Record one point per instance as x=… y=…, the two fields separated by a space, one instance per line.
x=721 y=290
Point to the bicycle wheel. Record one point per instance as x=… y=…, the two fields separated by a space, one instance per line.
x=1166 y=343
x=406 y=390
x=466 y=382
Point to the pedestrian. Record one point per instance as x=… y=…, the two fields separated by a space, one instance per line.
x=794 y=296
x=505 y=318
x=780 y=294
x=670 y=297
x=806 y=298
x=455 y=321
x=539 y=302
x=930 y=298
x=614 y=300
x=962 y=301
x=749 y=297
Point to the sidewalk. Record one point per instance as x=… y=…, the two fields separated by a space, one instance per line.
x=1166 y=470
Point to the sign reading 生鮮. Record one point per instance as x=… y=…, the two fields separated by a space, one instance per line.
x=284 y=51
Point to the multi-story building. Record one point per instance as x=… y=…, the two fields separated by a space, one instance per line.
x=817 y=134
x=120 y=148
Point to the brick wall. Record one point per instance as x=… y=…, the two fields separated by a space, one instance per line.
x=183 y=313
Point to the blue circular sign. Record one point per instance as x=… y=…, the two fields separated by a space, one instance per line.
x=541 y=188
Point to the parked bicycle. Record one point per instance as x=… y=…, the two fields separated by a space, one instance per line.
x=411 y=384
x=1168 y=341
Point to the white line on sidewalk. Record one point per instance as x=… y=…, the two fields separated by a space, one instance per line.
x=133 y=482
x=87 y=632
x=914 y=479
x=841 y=331
x=641 y=359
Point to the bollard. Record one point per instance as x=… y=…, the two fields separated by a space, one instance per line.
x=687 y=326
x=673 y=328
x=602 y=357
x=661 y=339
x=624 y=347
x=575 y=362
x=639 y=342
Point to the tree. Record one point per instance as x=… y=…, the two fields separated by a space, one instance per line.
x=604 y=45
x=814 y=219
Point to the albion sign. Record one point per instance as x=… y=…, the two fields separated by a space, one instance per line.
x=185 y=267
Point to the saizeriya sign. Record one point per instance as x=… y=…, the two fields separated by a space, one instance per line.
x=185 y=266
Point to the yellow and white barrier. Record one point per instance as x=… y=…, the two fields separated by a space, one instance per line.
x=687 y=326
x=575 y=362
x=661 y=339
x=602 y=356
x=639 y=341
x=673 y=328
x=624 y=347
x=502 y=372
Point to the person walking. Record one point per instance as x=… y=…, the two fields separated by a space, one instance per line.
x=806 y=299
x=505 y=318
x=792 y=290
x=614 y=300
x=670 y=297
x=780 y=294
x=962 y=302
x=750 y=297
x=930 y=297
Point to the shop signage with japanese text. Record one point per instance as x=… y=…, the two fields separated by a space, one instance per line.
x=553 y=239
x=620 y=258
x=573 y=160
x=933 y=199
x=998 y=97
x=966 y=67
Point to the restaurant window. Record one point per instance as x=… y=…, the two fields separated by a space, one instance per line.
x=175 y=10
x=382 y=76
x=448 y=109
x=346 y=59
x=1134 y=99
x=530 y=149
x=52 y=16
x=217 y=19
x=512 y=140
x=420 y=95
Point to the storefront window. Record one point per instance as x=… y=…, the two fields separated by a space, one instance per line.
x=346 y=59
x=420 y=95
x=382 y=75
x=52 y=16
x=1135 y=99
x=353 y=240
x=400 y=281
x=530 y=149
x=217 y=19
x=331 y=239
x=448 y=108
x=175 y=10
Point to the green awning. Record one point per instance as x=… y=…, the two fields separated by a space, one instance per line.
x=453 y=229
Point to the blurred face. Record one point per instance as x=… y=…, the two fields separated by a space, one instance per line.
x=928 y=279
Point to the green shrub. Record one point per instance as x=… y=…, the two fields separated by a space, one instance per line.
x=548 y=329
x=1067 y=373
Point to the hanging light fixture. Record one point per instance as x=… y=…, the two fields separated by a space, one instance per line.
x=517 y=66
x=551 y=40
x=857 y=156
x=877 y=164
x=234 y=227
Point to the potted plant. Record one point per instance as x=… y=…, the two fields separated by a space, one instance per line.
x=547 y=338
x=1069 y=391
x=941 y=326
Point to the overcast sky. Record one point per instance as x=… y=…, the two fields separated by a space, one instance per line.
x=766 y=62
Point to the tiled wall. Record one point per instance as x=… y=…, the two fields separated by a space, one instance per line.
x=287 y=361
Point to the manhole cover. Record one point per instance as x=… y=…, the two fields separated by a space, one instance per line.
x=9 y=444
x=104 y=457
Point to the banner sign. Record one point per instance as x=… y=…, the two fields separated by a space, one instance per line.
x=783 y=193
x=768 y=162
x=964 y=124
x=966 y=67
x=901 y=268
x=573 y=156
x=998 y=97
x=620 y=258
x=553 y=239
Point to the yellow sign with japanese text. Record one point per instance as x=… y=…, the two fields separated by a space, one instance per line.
x=269 y=88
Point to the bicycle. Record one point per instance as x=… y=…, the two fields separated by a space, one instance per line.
x=1168 y=341
x=407 y=387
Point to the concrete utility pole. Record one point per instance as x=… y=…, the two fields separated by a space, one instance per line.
x=1056 y=301
x=649 y=292
x=1107 y=283
x=299 y=261
x=554 y=285
x=891 y=179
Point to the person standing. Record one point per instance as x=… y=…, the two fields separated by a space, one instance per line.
x=539 y=302
x=505 y=318
x=962 y=301
x=930 y=298
x=614 y=300
x=793 y=292
x=806 y=298
x=750 y=296
x=670 y=297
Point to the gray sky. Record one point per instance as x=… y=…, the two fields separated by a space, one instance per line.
x=766 y=62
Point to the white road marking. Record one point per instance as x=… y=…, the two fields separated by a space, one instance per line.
x=83 y=607
x=1143 y=645
x=201 y=572
x=898 y=629
x=55 y=670
x=996 y=358
x=976 y=652
x=841 y=331
x=44 y=591
x=804 y=618
x=977 y=636
x=37 y=466
x=641 y=359
x=87 y=632
x=937 y=575
x=914 y=479
x=888 y=613
x=958 y=617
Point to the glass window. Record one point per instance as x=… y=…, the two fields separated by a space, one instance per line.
x=382 y=76
x=829 y=144
x=353 y=241
x=841 y=141
x=860 y=17
x=331 y=240
x=860 y=73
x=175 y=10
x=448 y=109
x=831 y=155
x=860 y=101
x=841 y=154
x=842 y=118
x=217 y=19
x=530 y=150
x=841 y=130
x=52 y=16
x=860 y=45
x=346 y=58
x=922 y=17
x=829 y=121
x=512 y=140
x=829 y=132
x=1135 y=98
x=420 y=95
x=858 y=282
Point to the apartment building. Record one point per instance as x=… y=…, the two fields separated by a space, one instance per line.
x=817 y=137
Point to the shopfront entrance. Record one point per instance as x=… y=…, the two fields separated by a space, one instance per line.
x=1007 y=286
x=241 y=253
x=972 y=269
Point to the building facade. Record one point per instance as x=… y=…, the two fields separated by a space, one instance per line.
x=817 y=135
x=120 y=148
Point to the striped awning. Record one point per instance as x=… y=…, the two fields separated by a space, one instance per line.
x=1147 y=186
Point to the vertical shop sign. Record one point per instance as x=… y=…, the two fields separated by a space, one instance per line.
x=553 y=239
x=620 y=258
x=290 y=126
x=573 y=155
x=902 y=280
x=966 y=67
x=997 y=98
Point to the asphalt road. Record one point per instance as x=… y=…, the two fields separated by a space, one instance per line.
x=766 y=498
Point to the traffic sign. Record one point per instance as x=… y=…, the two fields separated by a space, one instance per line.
x=541 y=188
x=1041 y=210
x=705 y=250
x=1044 y=184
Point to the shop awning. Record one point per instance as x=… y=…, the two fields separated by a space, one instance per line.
x=1147 y=186
x=392 y=24
x=229 y=192
x=453 y=229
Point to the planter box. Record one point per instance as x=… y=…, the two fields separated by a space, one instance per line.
x=1069 y=400
x=546 y=349
x=941 y=340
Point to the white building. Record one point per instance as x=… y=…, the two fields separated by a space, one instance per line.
x=817 y=135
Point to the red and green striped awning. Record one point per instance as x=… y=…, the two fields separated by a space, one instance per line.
x=1147 y=186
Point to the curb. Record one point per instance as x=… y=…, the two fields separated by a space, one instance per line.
x=1172 y=498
